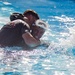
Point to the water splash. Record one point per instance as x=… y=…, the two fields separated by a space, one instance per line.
x=56 y=59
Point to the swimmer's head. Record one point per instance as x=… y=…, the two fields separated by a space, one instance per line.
x=15 y=16
x=31 y=12
x=31 y=15
x=39 y=28
x=41 y=24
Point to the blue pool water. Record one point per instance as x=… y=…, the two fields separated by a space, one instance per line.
x=56 y=59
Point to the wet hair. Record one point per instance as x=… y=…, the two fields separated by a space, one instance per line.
x=31 y=12
x=15 y=16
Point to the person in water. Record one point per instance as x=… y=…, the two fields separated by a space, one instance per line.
x=21 y=30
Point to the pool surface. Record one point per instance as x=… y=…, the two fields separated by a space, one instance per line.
x=56 y=59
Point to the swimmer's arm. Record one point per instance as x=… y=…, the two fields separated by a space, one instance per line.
x=30 y=40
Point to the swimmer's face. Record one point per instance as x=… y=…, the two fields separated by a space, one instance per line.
x=31 y=19
x=38 y=32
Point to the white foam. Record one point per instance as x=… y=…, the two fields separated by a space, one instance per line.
x=7 y=3
x=4 y=20
x=69 y=40
x=64 y=18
